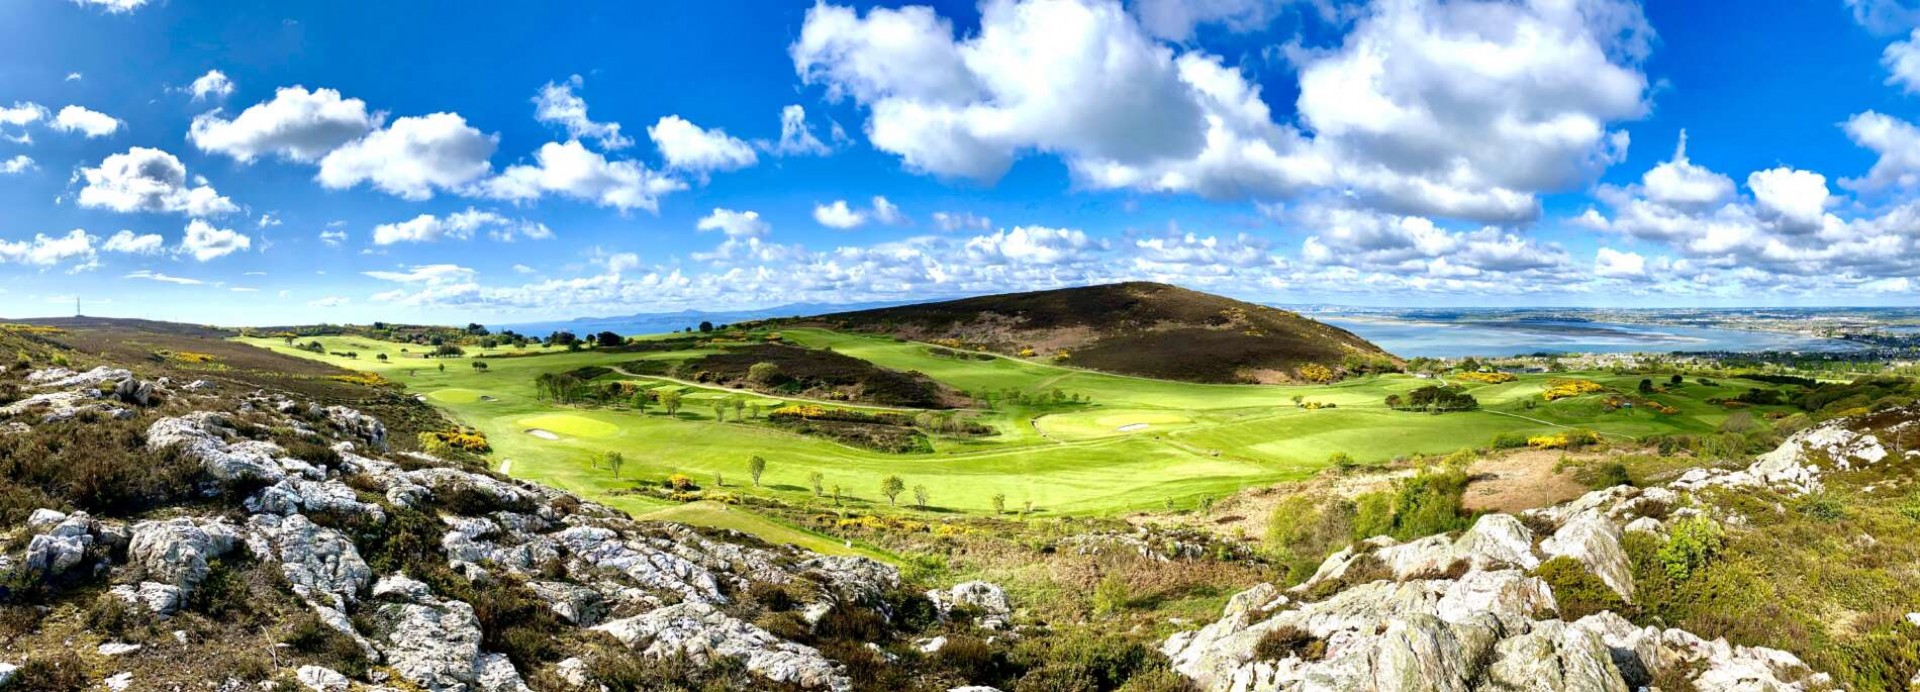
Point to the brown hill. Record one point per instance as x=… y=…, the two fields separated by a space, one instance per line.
x=1136 y=328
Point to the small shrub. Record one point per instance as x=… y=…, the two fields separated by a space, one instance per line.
x=325 y=645
x=850 y=622
x=61 y=671
x=1693 y=544
x=1603 y=475
x=1822 y=505
x=1288 y=642
x=1578 y=591
x=1111 y=595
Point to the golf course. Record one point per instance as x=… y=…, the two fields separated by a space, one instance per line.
x=1119 y=443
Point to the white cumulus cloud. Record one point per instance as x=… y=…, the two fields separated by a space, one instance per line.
x=689 y=147
x=149 y=180
x=204 y=242
x=297 y=124
x=412 y=157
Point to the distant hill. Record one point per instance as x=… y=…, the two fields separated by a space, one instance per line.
x=1145 y=329
x=663 y=322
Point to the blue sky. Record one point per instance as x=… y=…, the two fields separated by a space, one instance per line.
x=333 y=161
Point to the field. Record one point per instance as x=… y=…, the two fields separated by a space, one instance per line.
x=1139 y=444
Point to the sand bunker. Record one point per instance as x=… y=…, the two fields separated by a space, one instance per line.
x=1130 y=427
x=542 y=434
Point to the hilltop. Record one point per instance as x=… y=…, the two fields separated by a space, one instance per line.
x=1135 y=328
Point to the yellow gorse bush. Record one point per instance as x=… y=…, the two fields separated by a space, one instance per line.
x=1561 y=389
x=1486 y=377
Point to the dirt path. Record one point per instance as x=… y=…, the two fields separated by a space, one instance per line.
x=1519 y=480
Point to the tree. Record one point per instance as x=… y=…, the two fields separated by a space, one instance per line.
x=720 y=407
x=640 y=401
x=719 y=481
x=739 y=407
x=670 y=400
x=999 y=503
x=891 y=488
x=763 y=373
x=1676 y=380
x=615 y=460
x=443 y=367
x=480 y=366
x=755 y=467
x=382 y=357
x=289 y=338
x=706 y=327
x=1646 y=386
x=920 y=496
x=836 y=495
x=817 y=480
x=609 y=339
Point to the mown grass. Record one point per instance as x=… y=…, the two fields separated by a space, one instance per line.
x=1198 y=440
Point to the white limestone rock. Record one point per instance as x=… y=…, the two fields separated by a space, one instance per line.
x=702 y=633
x=321 y=563
x=1593 y=540
x=987 y=598
x=435 y=643
x=320 y=679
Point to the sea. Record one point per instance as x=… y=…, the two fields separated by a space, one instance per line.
x=1410 y=337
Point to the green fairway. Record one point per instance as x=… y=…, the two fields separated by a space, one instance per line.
x=1139 y=443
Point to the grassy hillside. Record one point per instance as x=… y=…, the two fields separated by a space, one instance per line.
x=1132 y=443
x=1145 y=329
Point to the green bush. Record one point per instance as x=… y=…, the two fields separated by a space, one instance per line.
x=1426 y=503
x=1823 y=505
x=1111 y=595
x=1692 y=545
x=1509 y=441
x=1303 y=530
x=1578 y=591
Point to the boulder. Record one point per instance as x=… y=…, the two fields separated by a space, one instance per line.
x=60 y=545
x=134 y=391
x=702 y=633
x=299 y=495
x=8 y=672
x=162 y=599
x=1595 y=542
x=1555 y=657
x=435 y=643
x=989 y=599
x=321 y=563
x=176 y=551
x=1497 y=540
x=320 y=679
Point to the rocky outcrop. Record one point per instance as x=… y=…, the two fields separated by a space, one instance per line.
x=1459 y=614
x=435 y=643
x=702 y=633
x=657 y=588
x=204 y=435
